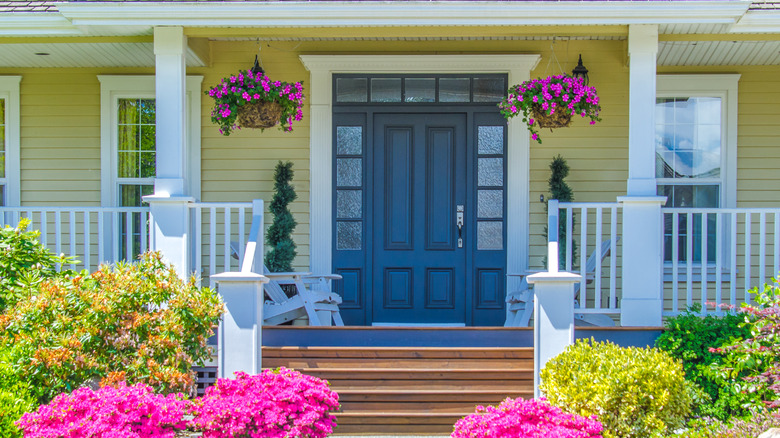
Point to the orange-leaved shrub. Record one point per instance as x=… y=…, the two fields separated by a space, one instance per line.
x=134 y=321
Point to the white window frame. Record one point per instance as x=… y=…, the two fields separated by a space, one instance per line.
x=724 y=86
x=9 y=91
x=113 y=88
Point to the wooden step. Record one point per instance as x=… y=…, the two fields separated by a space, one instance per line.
x=410 y=390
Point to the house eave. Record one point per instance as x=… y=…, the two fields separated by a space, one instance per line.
x=36 y=24
x=758 y=22
x=412 y=13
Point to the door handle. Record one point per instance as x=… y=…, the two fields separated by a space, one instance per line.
x=459 y=223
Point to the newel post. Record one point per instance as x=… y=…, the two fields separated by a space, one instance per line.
x=240 y=331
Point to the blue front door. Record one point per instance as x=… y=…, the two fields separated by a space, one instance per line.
x=419 y=198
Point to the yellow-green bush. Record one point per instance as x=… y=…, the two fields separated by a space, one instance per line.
x=635 y=392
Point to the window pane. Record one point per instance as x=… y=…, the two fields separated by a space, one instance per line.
x=147 y=165
x=349 y=140
x=420 y=89
x=488 y=89
x=385 y=90
x=688 y=137
x=148 y=139
x=130 y=195
x=349 y=172
x=454 y=89
x=2 y=164
x=128 y=111
x=490 y=235
x=351 y=90
x=349 y=235
x=349 y=204
x=128 y=165
x=128 y=138
x=490 y=172
x=490 y=139
x=147 y=109
x=2 y=195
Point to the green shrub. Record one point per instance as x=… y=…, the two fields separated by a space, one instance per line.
x=689 y=337
x=635 y=392
x=751 y=427
x=138 y=322
x=15 y=399
x=23 y=259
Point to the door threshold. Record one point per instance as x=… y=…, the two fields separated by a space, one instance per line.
x=418 y=324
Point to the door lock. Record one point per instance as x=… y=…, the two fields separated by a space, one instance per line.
x=459 y=223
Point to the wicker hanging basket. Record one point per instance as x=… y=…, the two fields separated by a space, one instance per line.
x=259 y=115
x=558 y=119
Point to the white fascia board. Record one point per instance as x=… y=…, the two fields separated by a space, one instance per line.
x=36 y=24
x=758 y=22
x=412 y=13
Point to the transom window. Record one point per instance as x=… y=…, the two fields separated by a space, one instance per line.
x=419 y=89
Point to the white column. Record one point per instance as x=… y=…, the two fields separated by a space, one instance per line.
x=642 y=50
x=642 y=303
x=240 y=331
x=553 y=316
x=169 y=203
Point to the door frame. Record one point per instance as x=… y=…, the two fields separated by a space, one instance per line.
x=322 y=68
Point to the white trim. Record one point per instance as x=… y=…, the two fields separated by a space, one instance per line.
x=9 y=90
x=322 y=68
x=114 y=87
x=36 y=24
x=416 y=13
x=758 y=22
x=715 y=85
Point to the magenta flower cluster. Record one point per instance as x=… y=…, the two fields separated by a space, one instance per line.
x=518 y=418
x=247 y=87
x=121 y=412
x=275 y=404
x=550 y=95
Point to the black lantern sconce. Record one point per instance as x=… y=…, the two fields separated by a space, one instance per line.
x=257 y=69
x=580 y=72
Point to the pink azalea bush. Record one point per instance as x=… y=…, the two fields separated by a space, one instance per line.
x=518 y=418
x=275 y=404
x=110 y=412
x=247 y=87
x=551 y=94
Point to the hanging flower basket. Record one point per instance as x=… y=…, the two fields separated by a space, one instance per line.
x=259 y=115
x=550 y=103
x=252 y=100
x=558 y=119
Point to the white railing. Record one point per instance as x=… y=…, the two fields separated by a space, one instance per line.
x=716 y=255
x=91 y=235
x=593 y=228
x=221 y=231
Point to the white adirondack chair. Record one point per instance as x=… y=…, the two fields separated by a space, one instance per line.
x=520 y=303
x=313 y=298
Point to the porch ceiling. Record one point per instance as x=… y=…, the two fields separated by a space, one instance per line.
x=103 y=54
x=685 y=53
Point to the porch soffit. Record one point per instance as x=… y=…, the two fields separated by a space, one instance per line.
x=104 y=54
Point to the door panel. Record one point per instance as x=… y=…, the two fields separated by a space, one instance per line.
x=419 y=179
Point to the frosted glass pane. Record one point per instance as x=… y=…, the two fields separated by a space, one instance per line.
x=490 y=172
x=454 y=89
x=490 y=139
x=349 y=235
x=488 y=89
x=349 y=140
x=349 y=204
x=420 y=90
x=385 y=90
x=490 y=235
x=349 y=172
x=490 y=204
x=351 y=90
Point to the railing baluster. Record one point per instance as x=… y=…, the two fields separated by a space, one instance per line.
x=57 y=235
x=101 y=237
x=689 y=259
x=569 y=238
x=129 y=231
x=87 y=231
x=718 y=262
x=583 y=299
x=241 y=225
x=226 y=244
x=143 y=222
x=675 y=262
x=613 y=258
x=704 y=257
x=212 y=242
x=597 y=271
x=44 y=227
x=72 y=226
x=116 y=227
x=199 y=242
x=761 y=248
x=776 y=245
x=748 y=233
x=733 y=282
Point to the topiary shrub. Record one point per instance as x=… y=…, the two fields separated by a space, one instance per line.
x=275 y=404
x=23 y=259
x=110 y=412
x=15 y=399
x=279 y=236
x=690 y=338
x=518 y=418
x=138 y=321
x=634 y=392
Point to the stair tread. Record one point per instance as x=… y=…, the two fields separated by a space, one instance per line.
x=428 y=391
x=401 y=414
